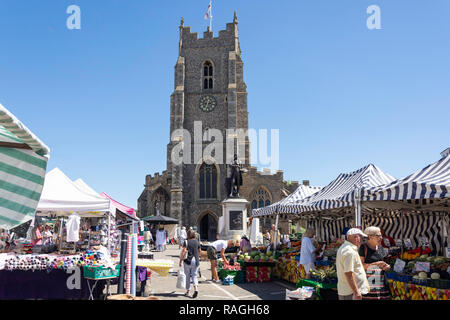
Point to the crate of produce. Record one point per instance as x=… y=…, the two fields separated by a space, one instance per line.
x=99 y=272
x=225 y=273
x=228 y=281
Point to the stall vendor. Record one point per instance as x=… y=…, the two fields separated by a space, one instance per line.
x=48 y=235
x=37 y=236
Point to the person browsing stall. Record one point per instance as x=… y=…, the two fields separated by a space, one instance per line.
x=372 y=259
x=214 y=247
x=352 y=279
x=308 y=251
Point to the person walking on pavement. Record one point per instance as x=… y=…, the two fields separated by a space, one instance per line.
x=352 y=279
x=197 y=236
x=192 y=261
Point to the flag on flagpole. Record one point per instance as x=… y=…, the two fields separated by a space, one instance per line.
x=208 y=12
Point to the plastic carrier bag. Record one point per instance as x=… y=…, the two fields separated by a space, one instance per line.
x=181 y=280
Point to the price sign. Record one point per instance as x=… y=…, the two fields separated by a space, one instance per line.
x=422 y=266
x=424 y=242
x=398 y=242
x=399 y=265
x=384 y=252
x=408 y=243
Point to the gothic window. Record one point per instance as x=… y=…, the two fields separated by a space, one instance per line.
x=261 y=198
x=207 y=75
x=208 y=181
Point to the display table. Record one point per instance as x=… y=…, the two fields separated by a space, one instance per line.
x=21 y=285
x=108 y=285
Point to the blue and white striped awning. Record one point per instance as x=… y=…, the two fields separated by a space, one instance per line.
x=432 y=182
x=23 y=163
x=341 y=192
x=297 y=196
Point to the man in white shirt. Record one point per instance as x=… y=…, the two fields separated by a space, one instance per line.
x=308 y=252
x=352 y=279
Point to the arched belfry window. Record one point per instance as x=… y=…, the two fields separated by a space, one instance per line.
x=208 y=181
x=207 y=75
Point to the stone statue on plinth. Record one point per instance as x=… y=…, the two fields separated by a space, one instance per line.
x=235 y=181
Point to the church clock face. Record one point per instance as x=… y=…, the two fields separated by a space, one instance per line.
x=207 y=103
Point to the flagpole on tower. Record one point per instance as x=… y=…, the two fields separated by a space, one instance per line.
x=208 y=15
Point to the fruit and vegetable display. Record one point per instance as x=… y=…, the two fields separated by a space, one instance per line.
x=257 y=256
x=410 y=291
x=325 y=274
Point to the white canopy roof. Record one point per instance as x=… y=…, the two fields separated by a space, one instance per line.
x=62 y=197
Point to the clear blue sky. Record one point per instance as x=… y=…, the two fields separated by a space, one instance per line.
x=342 y=96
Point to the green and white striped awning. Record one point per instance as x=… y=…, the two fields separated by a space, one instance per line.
x=23 y=163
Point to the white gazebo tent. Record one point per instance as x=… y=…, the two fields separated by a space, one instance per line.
x=61 y=198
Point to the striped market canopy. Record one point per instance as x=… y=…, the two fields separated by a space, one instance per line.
x=298 y=195
x=432 y=182
x=23 y=162
x=341 y=192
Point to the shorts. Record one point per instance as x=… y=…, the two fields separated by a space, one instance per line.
x=308 y=267
x=212 y=253
x=349 y=297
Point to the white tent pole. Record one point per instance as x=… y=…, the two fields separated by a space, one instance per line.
x=109 y=231
x=276 y=234
x=401 y=228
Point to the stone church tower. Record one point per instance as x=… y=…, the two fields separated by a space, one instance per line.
x=209 y=99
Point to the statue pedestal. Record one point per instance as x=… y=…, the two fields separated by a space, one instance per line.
x=234 y=212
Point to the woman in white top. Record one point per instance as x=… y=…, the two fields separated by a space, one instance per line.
x=183 y=236
x=308 y=251
x=160 y=239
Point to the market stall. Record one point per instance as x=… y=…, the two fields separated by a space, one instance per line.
x=329 y=211
x=415 y=211
x=23 y=162
x=73 y=262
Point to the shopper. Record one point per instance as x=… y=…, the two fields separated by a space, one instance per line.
x=214 y=247
x=352 y=280
x=192 y=261
x=371 y=254
x=245 y=245
x=197 y=236
x=160 y=239
x=308 y=252
x=183 y=236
